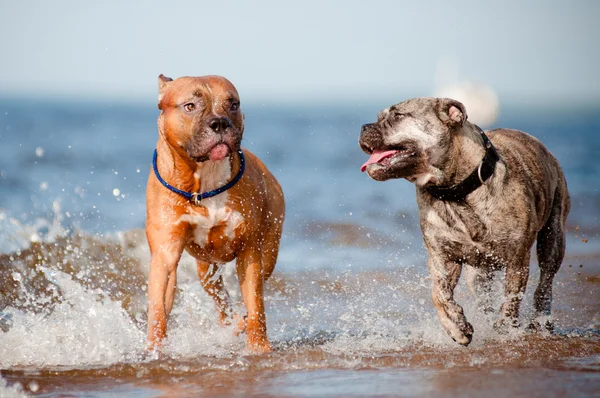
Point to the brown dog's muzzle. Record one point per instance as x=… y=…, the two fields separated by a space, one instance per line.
x=219 y=124
x=217 y=131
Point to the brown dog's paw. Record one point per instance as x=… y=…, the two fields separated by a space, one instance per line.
x=242 y=323
x=224 y=320
x=258 y=348
x=226 y=317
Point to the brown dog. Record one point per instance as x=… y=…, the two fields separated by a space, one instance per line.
x=199 y=150
x=483 y=202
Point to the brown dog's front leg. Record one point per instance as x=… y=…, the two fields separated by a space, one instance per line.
x=162 y=280
x=215 y=289
x=445 y=277
x=250 y=274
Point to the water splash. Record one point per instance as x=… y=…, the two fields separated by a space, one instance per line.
x=11 y=391
x=85 y=329
x=79 y=301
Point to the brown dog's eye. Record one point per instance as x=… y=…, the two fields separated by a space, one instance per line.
x=235 y=106
x=190 y=106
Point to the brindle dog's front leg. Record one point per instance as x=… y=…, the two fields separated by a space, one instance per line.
x=445 y=276
x=479 y=281
x=517 y=273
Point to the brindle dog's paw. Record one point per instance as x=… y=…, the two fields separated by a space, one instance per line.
x=464 y=335
x=541 y=324
x=488 y=309
x=503 y=325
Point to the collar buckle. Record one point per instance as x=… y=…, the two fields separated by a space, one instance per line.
x=196 y=199
x=483 y=182
x=479 y=176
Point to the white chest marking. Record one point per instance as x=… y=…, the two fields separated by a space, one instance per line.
x=213 y=175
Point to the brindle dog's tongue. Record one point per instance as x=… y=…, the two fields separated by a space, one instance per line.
x=219 y=152
x=377 y=156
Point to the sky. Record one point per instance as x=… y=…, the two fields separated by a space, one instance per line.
x=281 y=51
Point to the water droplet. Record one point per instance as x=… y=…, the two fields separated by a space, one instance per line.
x=33 y=386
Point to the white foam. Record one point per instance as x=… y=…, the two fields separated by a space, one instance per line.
x=12 y=391
x=330 y=302
x=86 y=329
x=15 y=235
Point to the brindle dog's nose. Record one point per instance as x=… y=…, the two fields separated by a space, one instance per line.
x=219 y=124
x=365 y=127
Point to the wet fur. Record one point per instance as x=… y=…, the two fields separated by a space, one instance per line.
x=495 y=227
x=242 y=224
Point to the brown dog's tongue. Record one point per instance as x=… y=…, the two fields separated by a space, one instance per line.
x=377 y=156
x=219 y=152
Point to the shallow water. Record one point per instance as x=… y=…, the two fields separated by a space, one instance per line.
x=348 y=308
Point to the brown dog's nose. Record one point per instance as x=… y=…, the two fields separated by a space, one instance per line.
x=219 y=124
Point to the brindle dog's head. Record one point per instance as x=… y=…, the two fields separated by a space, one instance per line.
x=201 y=116
x=411 y=139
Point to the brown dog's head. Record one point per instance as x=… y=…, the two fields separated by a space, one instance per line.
x=411 y=139
x=201 y=116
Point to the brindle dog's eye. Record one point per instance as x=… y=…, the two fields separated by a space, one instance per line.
x=234 y=106
x=190 y=106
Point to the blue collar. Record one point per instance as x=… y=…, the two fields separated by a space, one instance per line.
x=196 y=197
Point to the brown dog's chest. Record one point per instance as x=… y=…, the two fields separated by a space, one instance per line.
x=214 y=230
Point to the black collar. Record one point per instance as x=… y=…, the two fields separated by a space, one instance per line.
x=459 y=192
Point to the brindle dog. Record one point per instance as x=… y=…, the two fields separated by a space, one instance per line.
x=482 y=203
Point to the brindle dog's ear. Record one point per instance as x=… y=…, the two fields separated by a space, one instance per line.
x=452 y=112
x=163 y=82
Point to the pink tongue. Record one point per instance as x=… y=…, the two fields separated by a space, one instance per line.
x=377 y=156
x=218 y=152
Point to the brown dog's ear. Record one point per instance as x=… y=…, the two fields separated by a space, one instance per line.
x=163 y=81
x=452 y=112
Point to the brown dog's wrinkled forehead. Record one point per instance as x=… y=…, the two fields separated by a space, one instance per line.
x=173 y=92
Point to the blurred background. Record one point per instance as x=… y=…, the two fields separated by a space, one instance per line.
x=310 y=51
x=78 y=90
x=78 y=93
